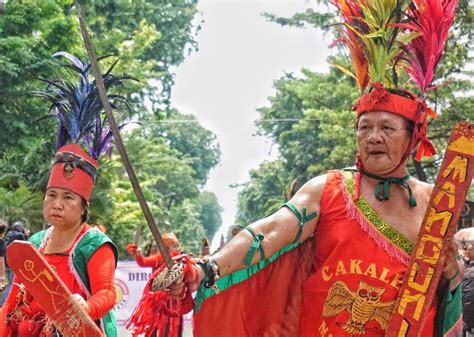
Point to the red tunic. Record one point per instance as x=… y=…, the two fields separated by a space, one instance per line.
x=343 y=282
x=359 y=263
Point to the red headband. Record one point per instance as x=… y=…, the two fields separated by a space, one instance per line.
x=73 y=170
x=380 y=99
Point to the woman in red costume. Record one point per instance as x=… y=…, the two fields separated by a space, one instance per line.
x=331 y=260
x=83 y=257
x=65 y=208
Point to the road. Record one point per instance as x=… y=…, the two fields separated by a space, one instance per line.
x=188 y=332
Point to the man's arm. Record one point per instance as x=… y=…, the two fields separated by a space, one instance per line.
x=278 y=229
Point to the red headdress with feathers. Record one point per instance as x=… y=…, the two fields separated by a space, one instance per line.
x=386 y=37
x=83 y=130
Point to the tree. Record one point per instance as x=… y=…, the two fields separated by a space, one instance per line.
x=149 y=37
x=310 y=122
x=184 y=134
x=169 y=184
x=149 y=40
x=263 y=194
x=22 y=204
x=310 y=119
x=210 y=213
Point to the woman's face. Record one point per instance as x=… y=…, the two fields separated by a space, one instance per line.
x=382 y=138
x=62 y=207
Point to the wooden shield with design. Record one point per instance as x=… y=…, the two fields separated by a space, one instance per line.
x=49 y=291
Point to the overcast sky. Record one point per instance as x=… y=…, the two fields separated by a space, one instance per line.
x=240 y=55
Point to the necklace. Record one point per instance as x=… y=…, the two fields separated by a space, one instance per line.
x=382 y=189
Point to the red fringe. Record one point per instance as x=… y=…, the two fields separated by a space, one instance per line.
x=158 y=310
x=380 y=240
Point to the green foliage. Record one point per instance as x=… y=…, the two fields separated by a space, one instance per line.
x=22 y=204
x=309 y=18
x=209 y=213
x=26 y=30
x=168 y=176
x=170 y=186
x=172 y=162
x=193 y=142
x=311 y=124
x=264 y=193
x=149 y=36
x=149 y=40
x=187 y=225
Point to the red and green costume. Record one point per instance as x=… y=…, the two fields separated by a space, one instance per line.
x=342 y=282
x=92 y=254
x=87 y=267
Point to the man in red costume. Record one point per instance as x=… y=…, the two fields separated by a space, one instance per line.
x=331 y=260
x=359 y=249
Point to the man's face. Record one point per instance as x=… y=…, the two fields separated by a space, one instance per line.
x=467 y=249
x=382 y=139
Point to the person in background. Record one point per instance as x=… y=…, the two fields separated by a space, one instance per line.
x=27 y=233
x=205 y=248
x=465 y=240
x=173 y=327
x=154 y=260
x=3 y=250
x=236 y=230
x=15 y=232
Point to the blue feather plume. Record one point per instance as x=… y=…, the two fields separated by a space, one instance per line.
x=77 y=107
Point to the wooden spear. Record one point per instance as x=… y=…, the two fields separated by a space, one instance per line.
x=118 y=140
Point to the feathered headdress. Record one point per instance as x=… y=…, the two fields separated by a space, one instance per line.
x=83 y=130
x=387 y=37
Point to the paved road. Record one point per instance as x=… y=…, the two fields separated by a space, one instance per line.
x=122 y=332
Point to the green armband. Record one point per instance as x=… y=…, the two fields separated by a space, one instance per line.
x=302 y=219
x=256 y=244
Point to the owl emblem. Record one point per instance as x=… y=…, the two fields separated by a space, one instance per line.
x=363 y=305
